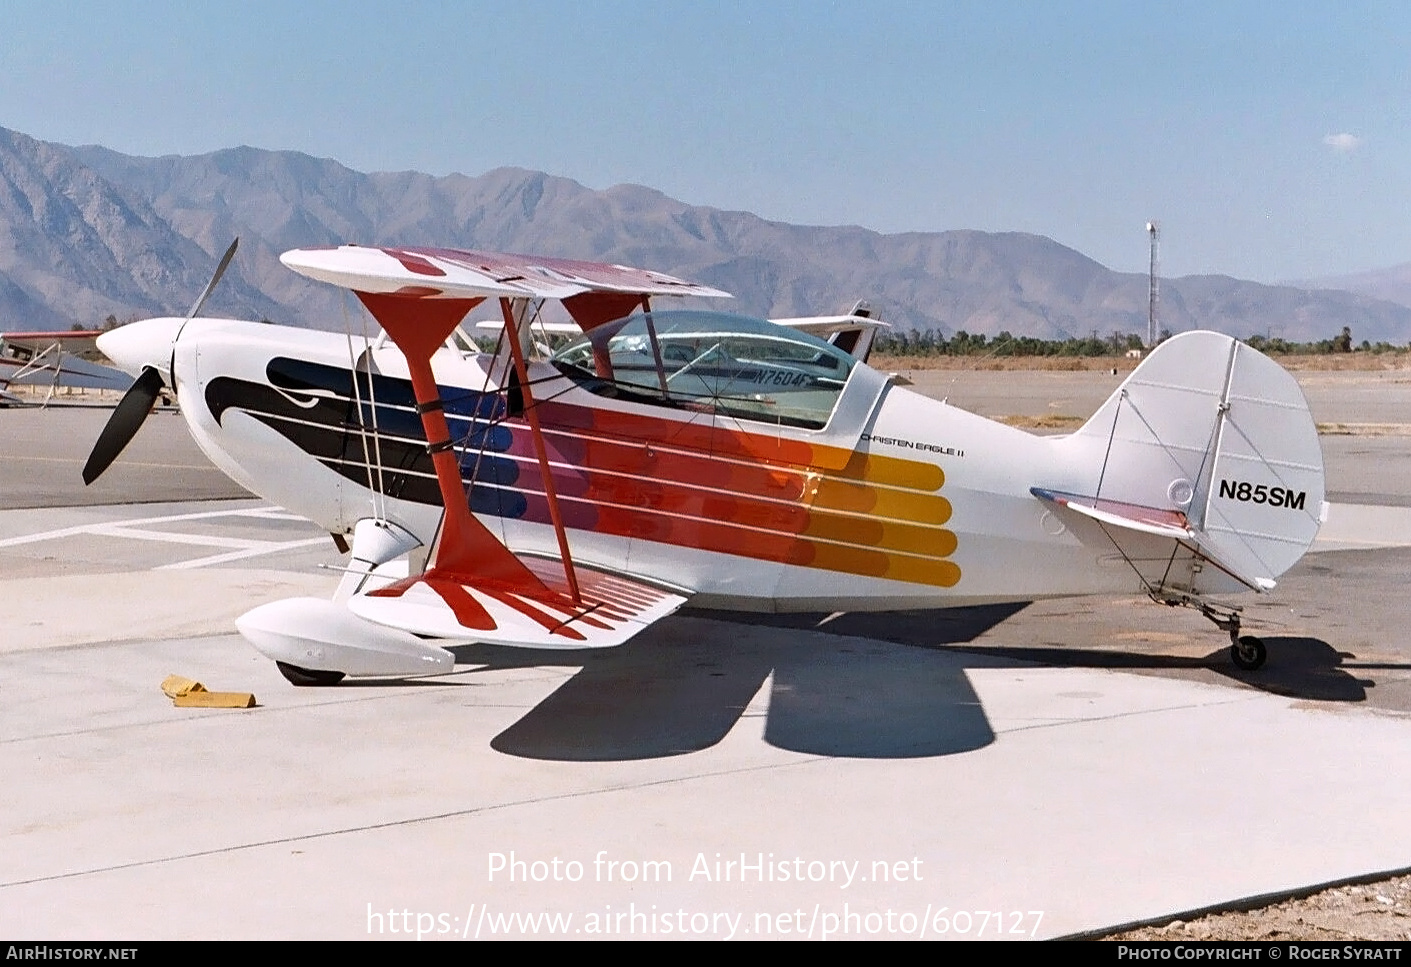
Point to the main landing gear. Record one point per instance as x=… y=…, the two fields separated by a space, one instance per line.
x=1246 y=651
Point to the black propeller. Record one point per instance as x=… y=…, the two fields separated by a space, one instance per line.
x=122 y=426
x=138 y=401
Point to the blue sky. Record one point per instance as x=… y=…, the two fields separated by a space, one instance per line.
x=1270 y=140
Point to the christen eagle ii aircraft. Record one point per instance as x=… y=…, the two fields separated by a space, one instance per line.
x=667 y=456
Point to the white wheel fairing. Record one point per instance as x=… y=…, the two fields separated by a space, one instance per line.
x=323 y=635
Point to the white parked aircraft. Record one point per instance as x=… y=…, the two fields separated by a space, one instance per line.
x=671 y=456
x=50 y=359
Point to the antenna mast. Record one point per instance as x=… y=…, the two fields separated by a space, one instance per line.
x=1153 y=230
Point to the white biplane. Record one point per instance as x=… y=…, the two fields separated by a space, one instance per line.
x=664 y=456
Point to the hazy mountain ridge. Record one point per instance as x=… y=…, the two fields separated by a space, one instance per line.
x=1392 y=284
x=85 y=232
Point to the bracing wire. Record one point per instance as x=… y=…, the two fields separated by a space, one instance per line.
x=357 y=399
x=1111 y=435
x=376 y=436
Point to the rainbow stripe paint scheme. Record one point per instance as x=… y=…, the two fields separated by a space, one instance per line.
x=570 y=498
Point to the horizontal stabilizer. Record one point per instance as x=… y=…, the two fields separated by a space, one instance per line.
x=1172 y=524
x=1148 y=520
x=464 y=607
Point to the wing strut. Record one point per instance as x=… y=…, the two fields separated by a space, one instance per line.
x=532 y=414
x=419 y=327
x=477 y=589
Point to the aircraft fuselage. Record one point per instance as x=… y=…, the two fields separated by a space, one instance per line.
x=899 y=501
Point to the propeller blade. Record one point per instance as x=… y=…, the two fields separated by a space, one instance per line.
x=196 y=307
x=123 y=424
x=211 y=285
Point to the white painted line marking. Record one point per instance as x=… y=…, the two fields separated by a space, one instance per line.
x=235 y=548
x=171 y=537
x=102 y=529
x=238 y=548
x=269 y=548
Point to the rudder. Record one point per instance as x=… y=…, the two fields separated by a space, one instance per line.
x=1218 y=436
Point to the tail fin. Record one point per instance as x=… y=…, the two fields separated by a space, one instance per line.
x=1216 y=439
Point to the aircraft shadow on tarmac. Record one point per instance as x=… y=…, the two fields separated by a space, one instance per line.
x=858 y=686
x=1303 y=668
x=1299 y=667
x=683 y=685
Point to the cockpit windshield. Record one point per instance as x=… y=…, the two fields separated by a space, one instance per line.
x=711 y=361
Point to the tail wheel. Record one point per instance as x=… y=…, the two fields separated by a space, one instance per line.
x=1248 y=653
x=308 y=677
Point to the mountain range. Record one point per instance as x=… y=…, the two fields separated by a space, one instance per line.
x=87 y=233
x=1391 y=284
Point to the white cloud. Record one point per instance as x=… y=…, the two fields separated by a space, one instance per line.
x=1343 y=142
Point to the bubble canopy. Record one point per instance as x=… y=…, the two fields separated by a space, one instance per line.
x=714 y=362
